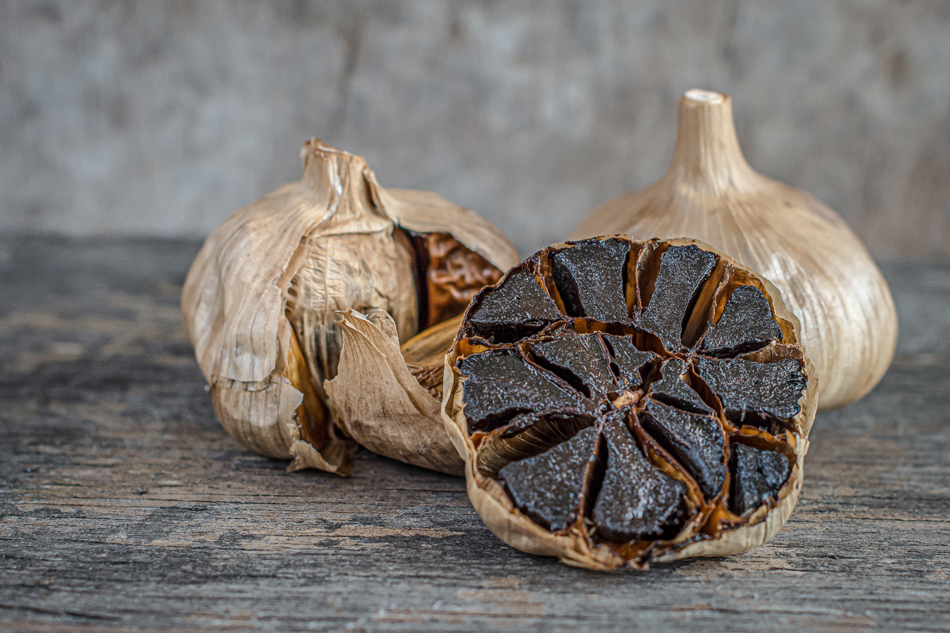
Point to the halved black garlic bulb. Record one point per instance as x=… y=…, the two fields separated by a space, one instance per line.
x=620 y=402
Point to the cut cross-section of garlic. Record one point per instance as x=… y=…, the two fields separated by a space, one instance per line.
x=673 y=425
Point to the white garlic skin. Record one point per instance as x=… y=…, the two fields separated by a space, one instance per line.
x=825 y=274
x=356 y=265
x=262 y=299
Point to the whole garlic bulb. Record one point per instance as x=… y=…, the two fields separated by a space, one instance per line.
x=263 y=298
x=824 y=272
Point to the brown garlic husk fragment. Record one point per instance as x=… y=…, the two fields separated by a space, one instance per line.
x=263 y=301
x=390 y=396
x=825 y=274
x=645 y=401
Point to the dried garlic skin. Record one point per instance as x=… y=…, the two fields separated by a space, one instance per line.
x=263 y=299
x=387 y=402
x=608 y=433
x=825 y=274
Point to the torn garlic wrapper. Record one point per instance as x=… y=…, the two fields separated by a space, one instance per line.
x=276 y=289
x=620 y=402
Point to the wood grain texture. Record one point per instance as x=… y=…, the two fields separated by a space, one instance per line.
x=125 y=506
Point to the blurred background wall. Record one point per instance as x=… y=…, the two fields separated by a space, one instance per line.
x=161 y=118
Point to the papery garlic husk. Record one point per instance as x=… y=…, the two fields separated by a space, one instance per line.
x=263 y=296
x=398 y=417
x=536 y=391
x=825 y=274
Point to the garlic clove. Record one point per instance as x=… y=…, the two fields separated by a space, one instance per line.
x=826 y=276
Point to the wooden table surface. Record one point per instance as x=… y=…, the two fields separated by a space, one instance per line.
x=125 y=506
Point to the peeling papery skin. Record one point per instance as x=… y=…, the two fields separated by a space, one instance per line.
x=710 y=528
x=383 y=403
x=261 y=301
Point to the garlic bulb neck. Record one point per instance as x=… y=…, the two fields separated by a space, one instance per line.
x=338 y=178
x=707 y=153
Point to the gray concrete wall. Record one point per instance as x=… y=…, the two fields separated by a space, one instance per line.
x=160 y=118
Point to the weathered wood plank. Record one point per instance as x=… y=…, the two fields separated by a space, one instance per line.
x=124 y=505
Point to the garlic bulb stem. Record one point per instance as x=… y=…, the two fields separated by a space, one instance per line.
x=707 y=150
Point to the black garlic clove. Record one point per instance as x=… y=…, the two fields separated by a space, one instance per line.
x=591 y=278
x=636 y=500
x=746 y=324
x=579 y=359
x=757 y=477
x=628 y=360
x=683 y=271
x=672 y=388
x=757 y=394
x=512 y=310
x=695 y=441
x=550 y=487
x=501 y=384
